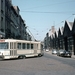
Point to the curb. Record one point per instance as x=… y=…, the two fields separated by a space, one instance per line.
x=73 y=56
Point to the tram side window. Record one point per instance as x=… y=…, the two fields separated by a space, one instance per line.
x=23 y=46
x=32 y=46
x=41 y=47
x=4 y=45
x=19 y=45
x=7 y=46
x=28 y=46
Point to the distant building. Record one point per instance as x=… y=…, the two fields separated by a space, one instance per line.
x=47 y=38
x=64 y=38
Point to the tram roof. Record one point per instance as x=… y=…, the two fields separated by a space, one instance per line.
x=16 y=40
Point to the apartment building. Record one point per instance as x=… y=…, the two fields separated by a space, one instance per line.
x=2 y=18
x=11 y=23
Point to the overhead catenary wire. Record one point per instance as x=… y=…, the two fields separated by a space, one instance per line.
x=67 y=12
x=69 y=1
x=52 y=12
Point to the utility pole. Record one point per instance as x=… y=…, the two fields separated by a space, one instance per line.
x=31 y=34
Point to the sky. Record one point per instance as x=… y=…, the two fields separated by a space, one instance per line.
x=41 y=15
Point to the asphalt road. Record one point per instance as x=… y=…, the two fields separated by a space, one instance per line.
x=46 y=65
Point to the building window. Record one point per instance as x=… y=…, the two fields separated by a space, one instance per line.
x=2 y=25
x=1 y=0
x=1 y=21
x=1 y=11
x=1 y=4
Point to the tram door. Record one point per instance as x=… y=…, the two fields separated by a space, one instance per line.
x=35 y=48
x=13 y=51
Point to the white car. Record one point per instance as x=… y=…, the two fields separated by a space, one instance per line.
x=47 y=50
x=54 y=51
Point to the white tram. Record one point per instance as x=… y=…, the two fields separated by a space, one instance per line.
x=12 y=48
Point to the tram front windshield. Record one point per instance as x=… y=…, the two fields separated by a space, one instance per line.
x=3 y=45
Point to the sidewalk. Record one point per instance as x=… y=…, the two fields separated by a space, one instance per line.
x=73 y=56
x=50 y=52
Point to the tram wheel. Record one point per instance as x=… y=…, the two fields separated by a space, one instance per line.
x=24 y=57
x=39 y=55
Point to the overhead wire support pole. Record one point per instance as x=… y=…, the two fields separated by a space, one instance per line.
x=31 y=34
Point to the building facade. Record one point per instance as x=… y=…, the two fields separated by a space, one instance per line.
x=2 y=18
x=11 y=23
x=47 y=39
x=64 y=38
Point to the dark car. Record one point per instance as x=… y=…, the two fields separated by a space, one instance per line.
x=64 y=53
x=68 y=53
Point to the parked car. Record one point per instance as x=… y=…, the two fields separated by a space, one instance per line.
x=47 y=50
x=60 y=52
x=68 y=53
x=54 y=51
x=64 y=53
